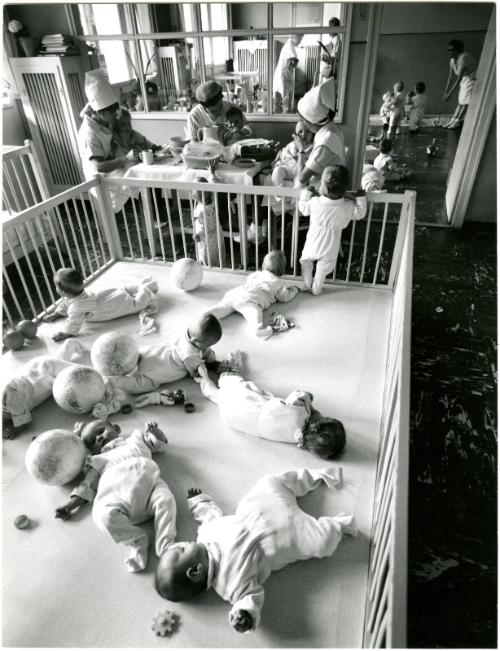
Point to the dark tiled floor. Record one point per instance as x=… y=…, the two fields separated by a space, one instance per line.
x=453 y=485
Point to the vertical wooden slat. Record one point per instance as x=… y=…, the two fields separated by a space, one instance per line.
x=12 y=293
x=48 y=253
x=89 y=228
x=21 y=276
x=64 y=234
x=40 y=261
x=7 y=313
x=54 y=236
x=170 y=228
x=231 y=244
x=72 y=229
x=87 y=254
x=136 y=219
x=205 y=230
x=365 y=247
x=351 y=246
x=181 y=219
x=34 y=279
x=218 y=229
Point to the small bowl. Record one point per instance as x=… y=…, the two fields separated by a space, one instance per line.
x=178 y=141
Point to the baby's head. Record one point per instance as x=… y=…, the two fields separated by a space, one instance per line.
x=334 y=181
x=275 y=262
x=385 y=146
x=204 y=331
x=292 y=62
x=387 y=96
x=182 y=571
x=234 y=117
x=123 y=121
x=96 y=434
x=420 y=87
x=68 y=282
x=326 y=438
x=399 y=87
x=302 y=131
x=201 y=196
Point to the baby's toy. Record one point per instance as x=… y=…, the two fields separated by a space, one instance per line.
x=165 y=622
x=187 y=274
x=78 y=388
x=14 y=338
x=55 y=457
x=114 y=354
x=165 y=398
x=22 y=522
x=189 y=407
x=280 y=323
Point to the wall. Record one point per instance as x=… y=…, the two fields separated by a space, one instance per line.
x=483 y=201
x=422 y=31
x=13 y=131
x=41 y=19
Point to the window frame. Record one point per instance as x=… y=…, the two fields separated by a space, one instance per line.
x=198 y=35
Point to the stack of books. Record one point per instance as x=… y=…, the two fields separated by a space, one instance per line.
x=58 y=45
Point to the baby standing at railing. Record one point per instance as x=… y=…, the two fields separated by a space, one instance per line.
x=208 y=234
x=79 y=305
x=329 y=214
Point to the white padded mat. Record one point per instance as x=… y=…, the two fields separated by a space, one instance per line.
x=65 y=584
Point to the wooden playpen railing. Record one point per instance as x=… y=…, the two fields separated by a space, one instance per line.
x=386 y=602
x=84 y=233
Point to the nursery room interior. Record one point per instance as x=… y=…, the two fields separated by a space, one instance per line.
x=163 y=153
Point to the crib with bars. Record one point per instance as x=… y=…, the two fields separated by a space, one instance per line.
x=78 y=228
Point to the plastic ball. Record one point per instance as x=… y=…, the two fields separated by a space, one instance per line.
x=22 y=522
x=13 y=339
x=78 y=388
x=114 y=354
x=56 y=457
x=28 y=328
x=187 y=274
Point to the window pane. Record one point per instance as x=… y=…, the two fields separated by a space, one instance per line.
x=213 y=16
x=118 y=60
x=250 y=65
x=158 y=18
x=216 y=52
x=172 y=70
x=333 y=10
x=248 y=15
x=297 y=14
x=102 y=19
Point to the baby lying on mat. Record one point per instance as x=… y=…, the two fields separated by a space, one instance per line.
x=247 y=408
x=262 y=289
x=32 y=385
x=124 y=483
x=79 y=305
x=170 y=362
x=235 y=554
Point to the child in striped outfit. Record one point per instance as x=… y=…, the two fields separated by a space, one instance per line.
x=79 y=305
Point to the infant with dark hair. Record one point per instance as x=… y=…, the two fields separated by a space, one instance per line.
x=235 y=554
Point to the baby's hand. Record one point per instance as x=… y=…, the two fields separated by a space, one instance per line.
x=193 y=492
x=241 y=621
x=63 y=512
x=61 y=335
x=52 y=317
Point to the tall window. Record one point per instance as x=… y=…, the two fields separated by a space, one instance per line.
x=168 y=49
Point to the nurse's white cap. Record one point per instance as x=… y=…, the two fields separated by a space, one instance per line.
x=315 y=104
x=99 y=92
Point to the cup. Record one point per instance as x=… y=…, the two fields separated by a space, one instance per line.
x=147 y=157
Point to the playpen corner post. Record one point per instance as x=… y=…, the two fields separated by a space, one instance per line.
x=108 y=219
x=406 y=221
x=37 y=170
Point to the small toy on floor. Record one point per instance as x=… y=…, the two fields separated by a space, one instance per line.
x=165 y=398
x=280 y=323
x=22 y=522
x=165 y=622
x=189 y=407
x=14 y=339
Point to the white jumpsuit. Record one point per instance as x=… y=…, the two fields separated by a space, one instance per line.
x=33 y=383
x=267 y=532
x=209 y=236
x=262 y=289
x=163 y=363
x=328 y=217
x=105 y=305
x=128 y=490
x=245 y=407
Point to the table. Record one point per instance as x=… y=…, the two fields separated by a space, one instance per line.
x=169 y=169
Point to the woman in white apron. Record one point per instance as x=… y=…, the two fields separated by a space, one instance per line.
x=463 y=68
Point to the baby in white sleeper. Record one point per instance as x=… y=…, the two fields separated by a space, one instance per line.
x=124 y=483
x=79 y=305
x=262 y=289
x=329 y=214
x=235 y=554
x=32 y=385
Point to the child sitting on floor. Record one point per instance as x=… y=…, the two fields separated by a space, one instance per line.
x=285 y=165
x=32 y=385
x=235 y=554
x=124 y=483
x=384 y=163
x=79 y=305
x=247 y=408
x=125 y=138
x=235 y=128
x=262 y=289
x=208 y=233
x=418 y=104
x=164 y=363
x=329 y=214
